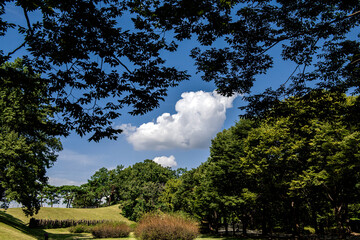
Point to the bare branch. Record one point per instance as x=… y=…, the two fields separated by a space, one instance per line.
x=353 y=14
x=355 y=61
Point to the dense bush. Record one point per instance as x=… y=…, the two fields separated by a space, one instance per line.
x=111 y=230
x=166 y=227
x=80 y=228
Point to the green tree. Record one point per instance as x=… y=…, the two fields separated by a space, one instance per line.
x=297 y=165
x=227 y=173
x=306 y=151
x=100 y=185
x=67 y=193
x=52 y=195
x=27 y=136
x=169 y=197
x=141 y=187
x=85 y=197
x=178 y=194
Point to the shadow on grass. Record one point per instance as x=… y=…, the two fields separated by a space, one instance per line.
x=34 y=232
x=67 y=236
x=313 y=237
x=20 y=226
x=205 y=236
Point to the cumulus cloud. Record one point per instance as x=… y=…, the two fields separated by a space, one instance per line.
x=166 y=161
x=200 y=115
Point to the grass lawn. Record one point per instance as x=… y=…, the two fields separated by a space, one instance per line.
x=106 y=213
x=14 y=224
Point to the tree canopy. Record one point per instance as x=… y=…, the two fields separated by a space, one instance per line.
x=28 y=136
x=298 y=166
x=95 y=65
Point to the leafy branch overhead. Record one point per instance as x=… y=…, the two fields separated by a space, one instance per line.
x=93 y=65
x=96 y=65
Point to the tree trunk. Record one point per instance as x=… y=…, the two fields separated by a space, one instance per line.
x=216 y=222
x=244 y=224
x=264 y=229
x=295 y=219
x=314 y=220
x=226 y=226
x=338 y=219
x=233 y=227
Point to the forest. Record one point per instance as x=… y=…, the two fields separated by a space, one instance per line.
x=295 y=170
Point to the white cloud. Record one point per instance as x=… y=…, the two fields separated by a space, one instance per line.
x=200 y=115
x=62 y=181
x=166 y=161
x=126 y=128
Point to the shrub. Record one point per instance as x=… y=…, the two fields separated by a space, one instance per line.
x=111 y=230
x=81 y=228
x=166 y=227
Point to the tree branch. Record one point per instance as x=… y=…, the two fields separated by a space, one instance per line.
x=15 y=50
x=28 y=21
x=355 y=61
x=292 y=74
x=353 y=14
x=118 y=60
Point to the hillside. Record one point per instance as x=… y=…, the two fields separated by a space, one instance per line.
x=14 y=224
x=105 y=213
x=13 y=228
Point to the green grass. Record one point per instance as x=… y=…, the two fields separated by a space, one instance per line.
x=12 y=228
x=14 y=224
x=112 y=213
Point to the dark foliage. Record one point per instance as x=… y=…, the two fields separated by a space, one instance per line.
x=96 y=65
x=319 y=37
x=80 y=50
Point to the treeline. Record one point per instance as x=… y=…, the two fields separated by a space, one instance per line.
x=137 y=188
x=295 y=168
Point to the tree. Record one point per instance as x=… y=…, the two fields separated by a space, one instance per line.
x=306 y=151
x=68 y=193
x=96 y=66
x=296 y=166
x=100 y=185
x=314 y=35
x=140 y=188
x=85 y=197
x=168 y=197
x=178 y=194
x=27 y=135
x=52 y=195
x=227 y=173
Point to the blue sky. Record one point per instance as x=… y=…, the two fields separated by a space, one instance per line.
x=177 y=134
